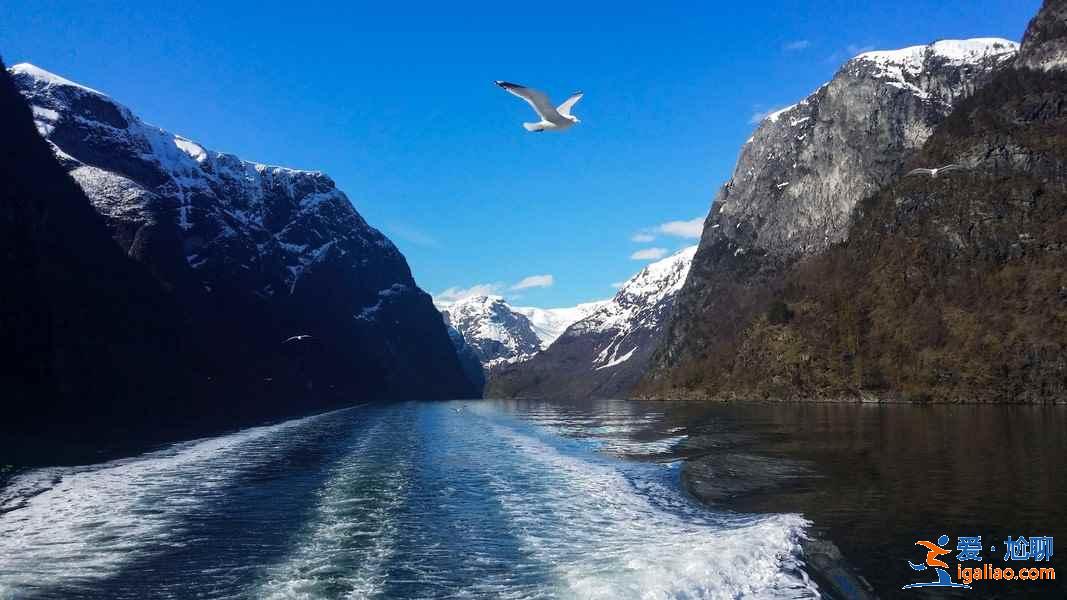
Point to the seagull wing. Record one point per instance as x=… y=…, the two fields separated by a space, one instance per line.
x=565 y=108
x=921 y=172
x=952 y=167
x=537 y=99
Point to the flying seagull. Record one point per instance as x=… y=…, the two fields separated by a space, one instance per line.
x=298 y=338
x=935 y=172
x=552 y=118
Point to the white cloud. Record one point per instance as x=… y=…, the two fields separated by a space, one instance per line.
x=649 y=254
x=683 y=229
x=618 y=284
x=534 y=281
x=796 y=45
x=455 y=294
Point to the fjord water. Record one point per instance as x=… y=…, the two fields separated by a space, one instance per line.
x=527 y=499
x=416 y=500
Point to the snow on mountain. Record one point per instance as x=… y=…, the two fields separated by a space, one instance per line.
x=905 y=68
x=604 y=353
x=501 y=334
x=493 y=330
x=274 y=219
x=550 y=323
x=638 y=307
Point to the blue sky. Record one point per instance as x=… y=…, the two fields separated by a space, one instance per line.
x=395 y=101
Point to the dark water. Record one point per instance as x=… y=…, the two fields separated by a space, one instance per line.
x=875 y=479
x=540 y=500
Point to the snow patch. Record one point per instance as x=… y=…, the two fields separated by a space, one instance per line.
x=49 y=79
x=617 y=360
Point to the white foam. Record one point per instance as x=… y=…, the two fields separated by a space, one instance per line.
x=359 y=501
x=605 y=539
x=82 y=524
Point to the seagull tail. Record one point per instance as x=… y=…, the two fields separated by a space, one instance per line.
x=533 y=126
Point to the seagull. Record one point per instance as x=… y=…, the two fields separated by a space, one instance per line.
x=935 y=172
x=298 y=338
x=557 y=118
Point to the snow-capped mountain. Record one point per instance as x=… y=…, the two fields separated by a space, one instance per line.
x=804 y=170
x=501 y=334
x=263 y=252
x=496 y=332
x=605 y=353
x=806 y=166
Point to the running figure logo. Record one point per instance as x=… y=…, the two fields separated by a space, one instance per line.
x=934 y=551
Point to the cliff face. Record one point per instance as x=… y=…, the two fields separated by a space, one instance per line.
x=944 y=289
x=87 y=332
x=604 y=354
x=799 y=178
x=1045 y=42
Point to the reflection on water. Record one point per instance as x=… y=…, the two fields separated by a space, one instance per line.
x=886 y=476
x=872 y=478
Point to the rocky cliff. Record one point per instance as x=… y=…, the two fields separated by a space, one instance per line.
x=604 y=354
x=88 y=335
x=253 y=253
x=943 y=289
x=799 y=177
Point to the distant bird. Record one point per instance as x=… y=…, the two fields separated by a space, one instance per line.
x=298 y=338
x=935 y=172
x=552 y=118
x=457 y=410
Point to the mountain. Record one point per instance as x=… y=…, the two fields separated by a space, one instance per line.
x=498 y=334
x=495 y=332
x=253 y=253
x=796 y=184
x=604 y=354
x=88 y=334
x=942 y=290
